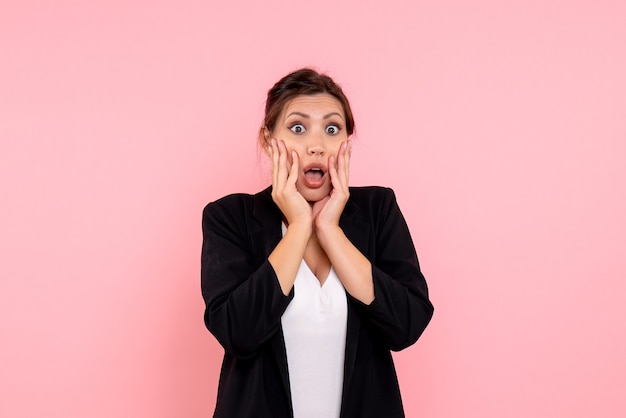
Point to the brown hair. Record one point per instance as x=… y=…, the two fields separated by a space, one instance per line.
x=304 y=81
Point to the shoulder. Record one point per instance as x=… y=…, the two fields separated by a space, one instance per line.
x=372 y=203
x=238 y=200
x=231 y=200
x=237 y=205
x=231 y=204
x=374 y=197
x=371 y=193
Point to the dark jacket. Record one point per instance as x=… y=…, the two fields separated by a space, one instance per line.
x=244 y=305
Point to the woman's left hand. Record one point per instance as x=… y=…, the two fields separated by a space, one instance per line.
x=327 y=211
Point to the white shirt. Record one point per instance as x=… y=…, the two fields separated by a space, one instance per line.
x=314 y=325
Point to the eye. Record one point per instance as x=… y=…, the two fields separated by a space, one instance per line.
x=297 y=128
x=332 y=129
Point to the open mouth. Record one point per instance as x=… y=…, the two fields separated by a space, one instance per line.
x=314 y=174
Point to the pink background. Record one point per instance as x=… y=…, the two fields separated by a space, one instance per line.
x=500 y=125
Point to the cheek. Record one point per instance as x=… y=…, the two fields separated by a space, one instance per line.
x=294 y=146
x=335 y=150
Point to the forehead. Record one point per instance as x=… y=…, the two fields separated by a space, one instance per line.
x=313 y=105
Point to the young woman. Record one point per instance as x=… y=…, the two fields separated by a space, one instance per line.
x=310 y=283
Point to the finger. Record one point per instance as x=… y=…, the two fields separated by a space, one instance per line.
x=348 y=156
x=334 y=174
x=343 y=164
x=293 y=172
x=283 y=168
x=274 y=156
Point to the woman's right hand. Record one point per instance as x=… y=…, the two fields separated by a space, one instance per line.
x=287 y=256
x=285 y=171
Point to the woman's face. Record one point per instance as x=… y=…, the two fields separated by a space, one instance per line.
x=313 y=126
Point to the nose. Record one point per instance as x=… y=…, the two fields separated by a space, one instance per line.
x=315 y=150
x=316 y=146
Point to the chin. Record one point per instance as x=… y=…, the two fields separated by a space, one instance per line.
x=315 y=195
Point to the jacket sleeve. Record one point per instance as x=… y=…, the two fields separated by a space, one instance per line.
x=244 y=302
x=401 y=309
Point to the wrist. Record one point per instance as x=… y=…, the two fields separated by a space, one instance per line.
x=326 y=231
x=300 y=218
x=300 y=226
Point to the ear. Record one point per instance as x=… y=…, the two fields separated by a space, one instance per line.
x=264 y=139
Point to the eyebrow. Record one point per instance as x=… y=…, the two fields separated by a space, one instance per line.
x=304 y=115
